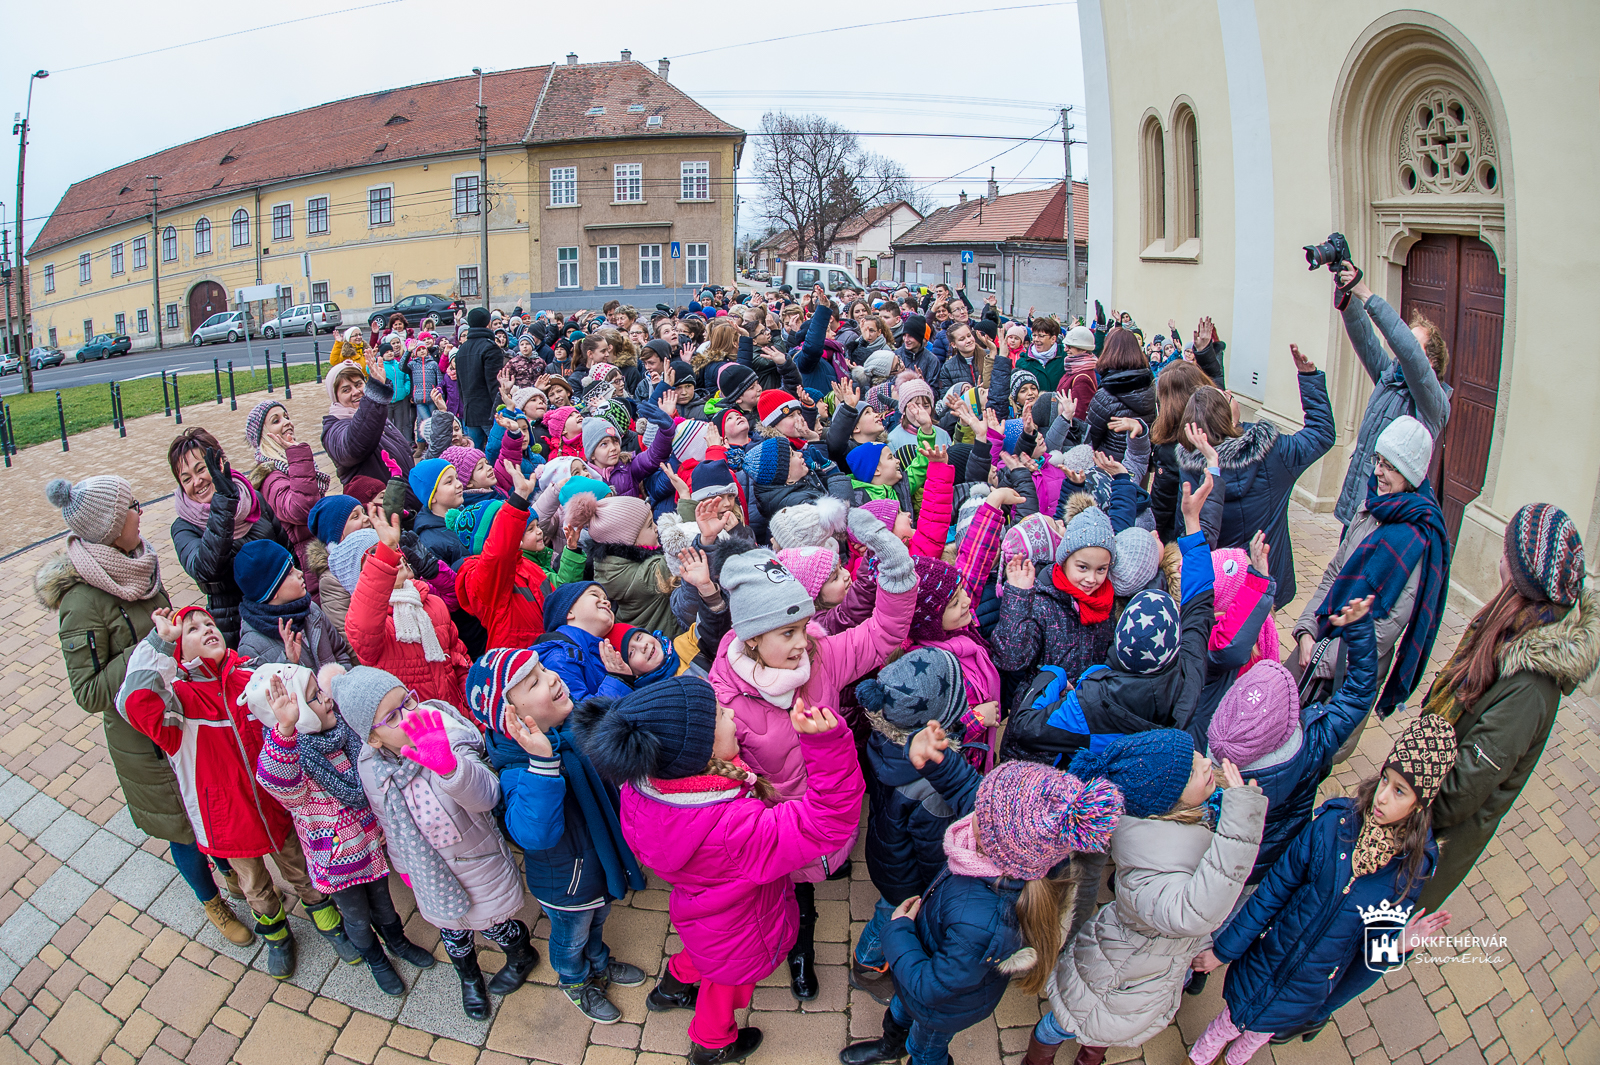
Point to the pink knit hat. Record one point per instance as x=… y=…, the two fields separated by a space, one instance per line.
x=1030 y=817
x=1229 y=567
x=885 y=510
x=1256 y=716
x=555 y=421
x=464 y=459
x=913 y=389
x=811 y=566
x=612 y=520
x=1033 y=538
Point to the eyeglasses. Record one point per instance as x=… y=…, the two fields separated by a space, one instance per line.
x=136 y=507
x=1383 y=464
x=408 y=705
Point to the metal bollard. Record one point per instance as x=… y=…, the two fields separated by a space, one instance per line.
x=269 y=370
x=216 y=373
x=61 y=414
x=122 y=419
x=233 y=402
x=5 y=434
x=166 y=400
x=286 y=393
x=177 y=404
x=11 y=433
x=316 y=354
x=112 y=388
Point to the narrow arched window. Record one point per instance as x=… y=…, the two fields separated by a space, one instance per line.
x=1186 y=184
x=202 y=236
x=1152 y=184
x=241 y=228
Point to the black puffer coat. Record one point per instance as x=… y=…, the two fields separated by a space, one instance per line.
x=910 y=811
x=478 y=363
x=206 y=555
x=1122 y=394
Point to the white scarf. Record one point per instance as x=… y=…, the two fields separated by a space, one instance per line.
x=412 y=623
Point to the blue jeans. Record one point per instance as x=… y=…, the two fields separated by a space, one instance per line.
x=576 y=950
x=193 y=867
x=925 y=1047
x=869 y=945
x=479 y=435
x=1049 y=1031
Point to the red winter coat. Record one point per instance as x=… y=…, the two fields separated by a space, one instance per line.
x=501 y=587
x=290 y=496
x=369 y=626
x=194 y=715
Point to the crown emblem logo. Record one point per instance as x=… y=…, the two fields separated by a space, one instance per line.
x=1384 y=925
x=1384 y=913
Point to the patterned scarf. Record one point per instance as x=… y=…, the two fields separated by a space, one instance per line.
x=1375 y=847
x=246 y=511
x=343 y=784
x=130 y=576
x=278 y=461
x=432 y=880
x=412 y=623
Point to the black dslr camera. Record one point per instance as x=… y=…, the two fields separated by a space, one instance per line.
x=1332 y=253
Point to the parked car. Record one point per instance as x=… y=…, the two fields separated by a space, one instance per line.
x=45 y=356
x=105 y=345
x=228 y=326
x=801 y=276
x=416 y=308
x=308 y=318
x=10 y=362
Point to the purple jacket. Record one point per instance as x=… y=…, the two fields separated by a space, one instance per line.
x=626 y=478
x=354 y=443
x=729 y=856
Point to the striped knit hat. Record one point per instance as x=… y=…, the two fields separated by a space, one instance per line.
x=1545 y=554
x=1031 y=817
x=491 y=676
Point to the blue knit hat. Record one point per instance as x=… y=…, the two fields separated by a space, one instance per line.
x=259 y=567
x=1013 y=435
x=328 y=516
x=598 y=489
x=665 y=730
x=558 y=604
x=491 y=676
x=768 y=461
x=1146 y=638
x=425 y=477
x=863 y=461
x=1150 y=768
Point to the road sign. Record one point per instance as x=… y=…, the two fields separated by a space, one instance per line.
x=254 y=293
x=677 y=250
x=966 y=256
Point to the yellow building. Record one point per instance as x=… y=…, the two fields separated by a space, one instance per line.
x=604 y=182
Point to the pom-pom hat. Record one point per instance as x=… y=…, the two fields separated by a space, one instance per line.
x=95 y=508
x=665 y=730
x=494 y=674
x=1031 y=817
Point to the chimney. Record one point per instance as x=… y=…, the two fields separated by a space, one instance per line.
x=627 y=55
x=662 y=66
x=994 y=188
x=963 y=195
x=572 y=59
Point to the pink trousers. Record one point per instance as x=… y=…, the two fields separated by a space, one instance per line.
x=713 y=1025
x=1222 y=1032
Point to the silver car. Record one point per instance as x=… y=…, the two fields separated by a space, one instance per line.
x=307 y=318
x=224 y=326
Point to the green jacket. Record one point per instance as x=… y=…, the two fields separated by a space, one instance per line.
x=1499 y=740
x=633 y=579
x=1048 y=373
x=98 y=632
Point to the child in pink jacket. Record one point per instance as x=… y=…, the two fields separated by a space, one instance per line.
x=696 y=814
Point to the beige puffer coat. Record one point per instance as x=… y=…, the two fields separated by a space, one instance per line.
x=1120 y=981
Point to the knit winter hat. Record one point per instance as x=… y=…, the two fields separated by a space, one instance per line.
x=937 y=582
x=1020 y=378
x=712 y=478
x=555 y=421
x=254 y=421
x=922 y=685
x=493 y=675
x=1033 y=538
x=681 y=372
x=95 y=508
x=768 y=461
x=519 y=396
x=559 y=603
x=259 y=566
x=664 y=731
x=1256 y=716
x=478 y=318
x=257 y=695
x=440 y=432
x=596 y=430
x=733 y=380
x=1151 y=769
x=809 y=524
x=1424 y=754
x=879 y=363
x=1146 y=638
x=775 y=404
x=359 y=692
x=885 y=510
x=1544 y=554
x=689 y=440
x=1135 y=560
x=470 y=524
x=344 y=557
x=917 y=326
x=863 y=461
x=465 y=460
x=1079 y=459
x=1080 y=337
x=1031 y=817
x=1229 y=568
x=425 y=477
x=620 y=634
x=720 y=419
x=811 y=566
x=1088 y=528
x=1408 y=446
x=613 y=520
x=579 y=485
x=762 y=594
x=916 y=388
x=328 y=516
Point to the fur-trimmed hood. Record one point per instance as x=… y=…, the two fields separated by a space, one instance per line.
x=897 y=735
x=1235 y=453
x=1567 y=651
x=54 y=579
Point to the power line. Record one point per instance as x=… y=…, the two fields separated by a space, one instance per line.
x=873 y=26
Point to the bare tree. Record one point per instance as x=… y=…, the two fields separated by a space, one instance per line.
x=817 y=177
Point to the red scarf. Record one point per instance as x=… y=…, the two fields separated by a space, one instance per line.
x=1093 y=607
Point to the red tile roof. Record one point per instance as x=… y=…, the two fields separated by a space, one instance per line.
x=1038 y=214
x=397 y=124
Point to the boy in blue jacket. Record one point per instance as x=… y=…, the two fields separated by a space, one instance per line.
x=564 y=817
x=577 y=623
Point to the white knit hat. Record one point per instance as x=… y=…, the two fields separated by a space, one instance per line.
x=1408 y=446
x=96 y=508
x=1080 y=337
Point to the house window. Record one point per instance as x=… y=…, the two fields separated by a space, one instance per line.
x=382 y=289
x=947 y=273
x=88 y=329
x=319 y=292
x=83 y=268
x=317 y=215
x=172 y=316
x=563 y=186
x=696 y=264
x=282 y=221
x=467 y=196
x=919 y=270
x=1152 y=184
x=608 y=261
x=1186 y=146
x=53 y=337
x=122 y=324
x=141 y=253
x=649 y=264
x=696 y=181
x=202 y=237
x=988 y=280
x=380 y=207
x=116 y=259
x=566 y=268
x=49 y=277
x=285 y=299
x=143 y=318
x=169 y=245
x=901 y=278
x=467 y=282
x=629 y=182
x=241 y=228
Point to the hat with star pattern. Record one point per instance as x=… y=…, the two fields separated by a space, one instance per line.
x=923 y=685
x=1147 y=634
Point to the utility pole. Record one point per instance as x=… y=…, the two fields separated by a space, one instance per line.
x=5 y=267
x=1072 y=236
x=483 y=193
x=20 y=126
x=156 y=252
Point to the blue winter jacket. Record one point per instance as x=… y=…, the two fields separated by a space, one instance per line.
x=811 y=358
x=909 y=813
x=437 y=537
x=1297 y=948
x=574 y=654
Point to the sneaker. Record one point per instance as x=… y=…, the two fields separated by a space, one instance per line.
x=222 y=918
x=592 y=1002
x=622 y=974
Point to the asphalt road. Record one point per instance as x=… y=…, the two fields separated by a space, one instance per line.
x=149 y=363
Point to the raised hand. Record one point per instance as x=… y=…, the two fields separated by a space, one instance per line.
x=1194 y=501
x=1231 y=777
x=811 y=721
x=293 y=642
x=1353 y=611
x=283 y=706
x=1419 y=929
x=695 y=569
x=1132 y=426
x=934 y=454
x=532 y=740
x=1005 y=496
x=1201 y=442
x=1301 y=363
x=166 y=628
x=613 y=660
x=437 y=397
x=1108 y=465
x=991 y=420
x=387 y=528
x=928 y=745
x=572 y=534
x=1020 y=572
x=430 y=743
x=679 y=485
x=520 y=485
x=708 y=517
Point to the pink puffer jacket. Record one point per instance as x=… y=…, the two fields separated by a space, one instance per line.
x=728 y=856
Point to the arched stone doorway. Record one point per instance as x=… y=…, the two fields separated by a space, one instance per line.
x=205 y=299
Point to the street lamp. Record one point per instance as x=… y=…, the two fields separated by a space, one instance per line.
x=20 y=128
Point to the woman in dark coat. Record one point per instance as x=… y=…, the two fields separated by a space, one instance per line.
x=1173 y=388
x=1260 y=465
x=1127 y=390
x=356 y=431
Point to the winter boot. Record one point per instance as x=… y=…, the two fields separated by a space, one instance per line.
x=222 y=918
x=892 y=1047
x=741 y=1048
x=1306 y=1034
x=474 y=998
x=1040 y=1053
x=1196 y=983
x=383 y=973
x=325 y=915
x=394 y=937
x=1089 y=1055
x=280 y=944
x=875 y=982
x=671 y=994
x=521 y=957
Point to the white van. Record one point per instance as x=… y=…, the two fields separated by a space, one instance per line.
x=801 y=276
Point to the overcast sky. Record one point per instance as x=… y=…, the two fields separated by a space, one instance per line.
x=986 y=70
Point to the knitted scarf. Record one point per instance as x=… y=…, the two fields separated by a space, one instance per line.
x=246 y=512
x=343 y=784
x=412 y=623
x=1410 y=532
x=1375 y=847
x=1093 y=607
x=264 y=617
x=961 y=850
x=597 y=801
x=130 y=576
x=776 y=686
x=670 y=662
x=432 y=880
x=279 y=462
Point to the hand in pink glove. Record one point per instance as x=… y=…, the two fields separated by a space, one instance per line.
x=431 y=745
x=394 y=467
